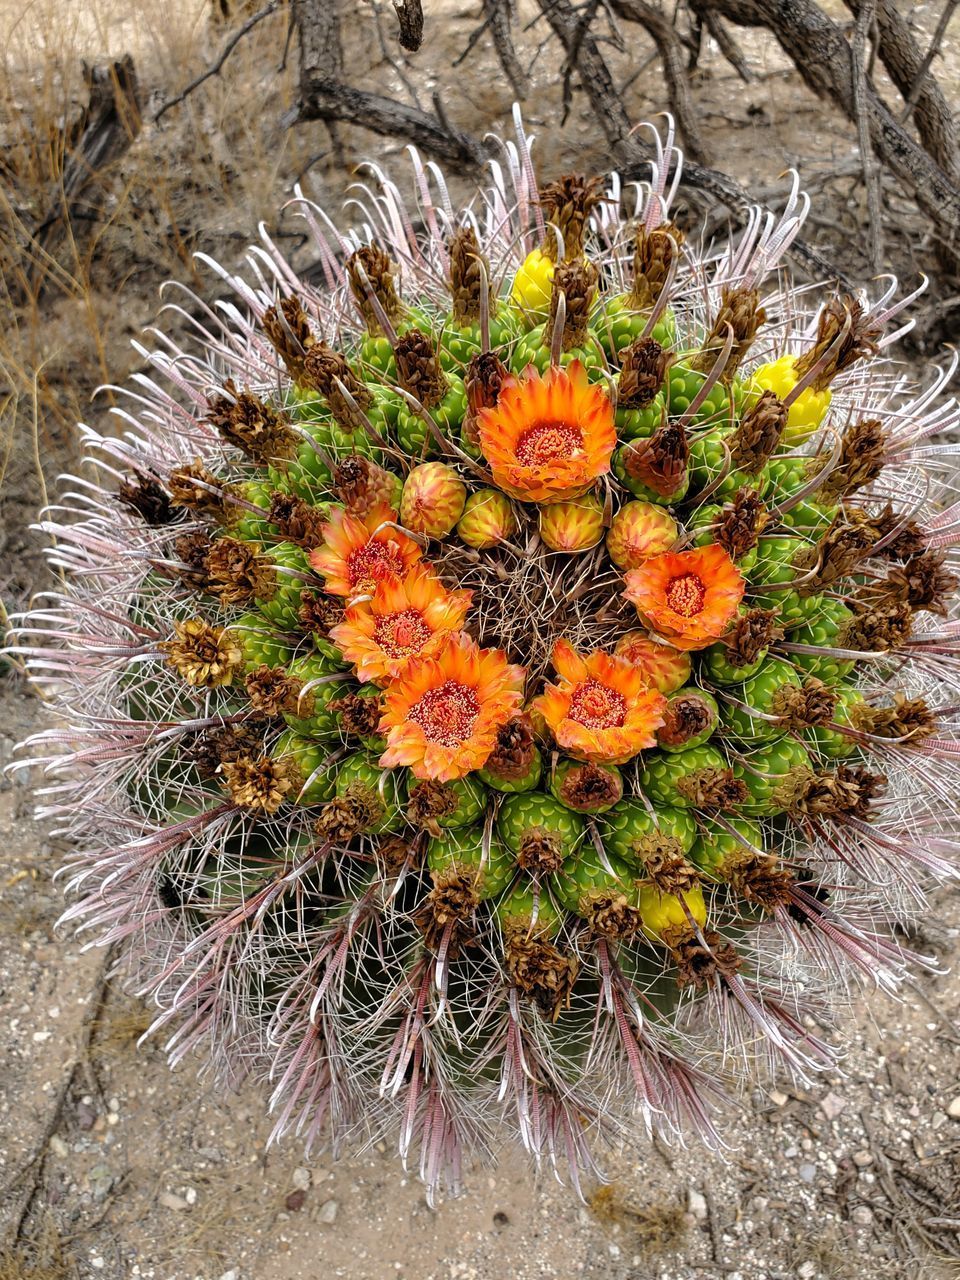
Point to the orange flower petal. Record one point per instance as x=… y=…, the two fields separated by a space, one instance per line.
x=688 y=597
x=548 y=437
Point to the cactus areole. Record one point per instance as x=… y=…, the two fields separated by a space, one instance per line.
x=510 y=691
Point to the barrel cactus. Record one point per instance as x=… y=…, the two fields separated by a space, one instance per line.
x=454 y=717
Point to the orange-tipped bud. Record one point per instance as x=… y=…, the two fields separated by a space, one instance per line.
x=665 y=668
x=572 y=526
x=640 y=530
x=433 y=499
x=487 y=520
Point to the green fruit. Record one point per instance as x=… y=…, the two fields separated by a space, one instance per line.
x=525 y=912
x=586 y=880
x=316 y=769
x=529 y=780
x=634 y=834
x=245 y=525
x=282 y=605
x=314 y=717
x=788 y=476
x=533 y=813
x=617 y=325
x=458 y=803
x=760 y=693
x=586 y=788
x=716 y=848
x=721 y=671
x=261 y=648
x=685 y=710
x=824 y=631
x=775 y=567
x=640 y=424
x=709 y=459
x=360 y=774
x=534 y=348
x=683 y=386
x=674 y=779
x=832 y=743
x=774 y=774
x=641 y=490
x=462 y=852
x=413 y=434
x=703 y=523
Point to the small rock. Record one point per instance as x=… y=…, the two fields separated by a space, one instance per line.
x=295 y=1200
x=807 y=1270
x=937 y=1119
x=862 y=1215
x=86 y=1116
x=328 y=1212
x=301 y=1179
x=232 y=1274
x=862 y=1158
x=953 y=1111
x=58 y=1146
x=190 y=1195
x=169 y=1201
x=613 y=1250
x=777 y=1098
x=807 y=1172
x=697 y=1205
x=831 y=1104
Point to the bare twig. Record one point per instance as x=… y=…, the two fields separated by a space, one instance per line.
x=910 y=72
x=410 y=17
x=325 y=95
x=819 y=50
x=913 y=94
x=225 y=53
x=865 y=20
x=670 y=48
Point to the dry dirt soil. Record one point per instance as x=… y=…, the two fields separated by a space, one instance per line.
x=112 y=1166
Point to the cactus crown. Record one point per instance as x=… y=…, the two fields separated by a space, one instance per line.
x=517 y=637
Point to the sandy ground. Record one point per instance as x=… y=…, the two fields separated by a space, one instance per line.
x=117 y=1167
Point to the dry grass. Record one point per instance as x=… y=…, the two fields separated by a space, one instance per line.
x=651 y=1229
x=41 y=1259
x=74 y=294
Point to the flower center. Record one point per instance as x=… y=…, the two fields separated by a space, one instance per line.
x=686 y=594
x=373 y=562
x=400 y=634
x=446 y=714
x=548 y=442
x=596 y=706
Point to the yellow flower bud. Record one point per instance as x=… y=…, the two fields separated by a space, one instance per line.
x=808 y=410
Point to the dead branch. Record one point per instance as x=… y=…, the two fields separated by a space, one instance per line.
x=858 y=74
x=225 y=53
x=410 y=17
x=817 y=47
x=910 y=72
x=671 y=50
x=324 y=95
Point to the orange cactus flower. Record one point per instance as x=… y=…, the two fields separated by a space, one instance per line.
x=358 y=552
x=689 y=597
x=406 y=618
x=441 y=714
x=601 y=711
x=549 y=437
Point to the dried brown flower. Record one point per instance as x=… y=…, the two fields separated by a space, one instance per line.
x=469 y=275
x=205 y=656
